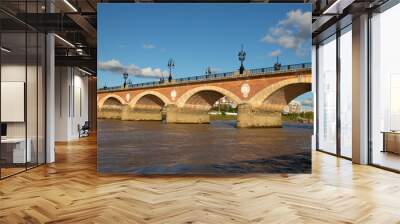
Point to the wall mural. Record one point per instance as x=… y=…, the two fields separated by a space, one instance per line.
x=194 y=107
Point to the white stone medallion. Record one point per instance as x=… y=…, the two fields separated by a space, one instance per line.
x=173 y=94
x=127 y=97
x=245 y=89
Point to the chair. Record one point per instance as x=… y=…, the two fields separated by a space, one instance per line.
x=84 y=130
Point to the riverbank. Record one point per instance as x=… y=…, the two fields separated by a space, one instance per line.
x=289 y=123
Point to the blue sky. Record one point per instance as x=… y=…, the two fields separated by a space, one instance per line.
x=140 y=38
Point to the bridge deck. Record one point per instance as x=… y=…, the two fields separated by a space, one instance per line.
x=217 y=76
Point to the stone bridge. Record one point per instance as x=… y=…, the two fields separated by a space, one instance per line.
x=261 y=95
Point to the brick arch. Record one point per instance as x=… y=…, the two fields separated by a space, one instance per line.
x=188 y=94
x=258 y=99
x=115 y=96
x=160 y=96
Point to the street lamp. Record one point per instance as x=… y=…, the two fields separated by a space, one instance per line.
x=277 y=65
x=171 y=65
x=242 y=57
x=125 y=76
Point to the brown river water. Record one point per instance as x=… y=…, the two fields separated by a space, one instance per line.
x=154 y=147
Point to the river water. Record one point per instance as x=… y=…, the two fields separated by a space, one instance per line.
x=154 y=147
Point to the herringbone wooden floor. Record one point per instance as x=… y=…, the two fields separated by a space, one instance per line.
x=70 y=191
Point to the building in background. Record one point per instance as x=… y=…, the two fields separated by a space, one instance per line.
x=225 y=103
x=295 y=107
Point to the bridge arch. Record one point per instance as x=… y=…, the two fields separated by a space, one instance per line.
x=110 y=107
x=149 y=99
x=204 y=97
x=111 y=98
x=279 y=94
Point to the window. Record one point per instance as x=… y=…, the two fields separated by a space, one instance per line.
x=346 y=92
x=327 y=95
x=385 y=89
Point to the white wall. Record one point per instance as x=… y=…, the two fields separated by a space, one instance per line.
x=80 y=109
x=17 y=73
x=14 y=72
x=71 y=102
x=33 y=126
x=61 y=103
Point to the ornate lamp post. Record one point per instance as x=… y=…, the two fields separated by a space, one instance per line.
x=277 y=65
x=125 y=76
x=171 y=65
x=242 y=57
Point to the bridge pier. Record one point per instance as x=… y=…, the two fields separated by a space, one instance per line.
x=109 y=113
x=140 y=114
x=249 y=116
x=187 y=115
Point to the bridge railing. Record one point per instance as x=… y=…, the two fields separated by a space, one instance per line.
x=205 y=77
x=283 y=68
x=257 y=71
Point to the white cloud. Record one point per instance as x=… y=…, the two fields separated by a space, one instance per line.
x=307 y=102
x=299 y=20
x=116 y=67
x=292 y=32
x=149 y=46
x=275 y=53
